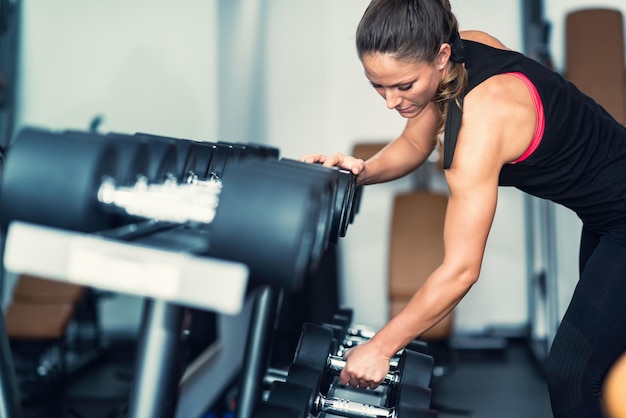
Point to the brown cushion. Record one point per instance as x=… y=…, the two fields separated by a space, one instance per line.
x=416 y=249
x=31 y=289
x=25 y=321
x=594 y=57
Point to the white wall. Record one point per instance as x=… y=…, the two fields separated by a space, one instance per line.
x=143 y=65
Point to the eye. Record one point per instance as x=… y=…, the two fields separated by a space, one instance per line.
x=405 y=87
x=376 y=86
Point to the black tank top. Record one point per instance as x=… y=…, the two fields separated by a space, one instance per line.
x=581 y=160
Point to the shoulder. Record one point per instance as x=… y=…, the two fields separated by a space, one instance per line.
x=508 y=126
x=483 y=38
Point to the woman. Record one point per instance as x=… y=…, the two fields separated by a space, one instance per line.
x=508 y=121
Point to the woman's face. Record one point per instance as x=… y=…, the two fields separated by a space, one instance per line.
x=406 y=85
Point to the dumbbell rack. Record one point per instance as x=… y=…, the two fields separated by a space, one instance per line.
x=169 y=279
x=174 y=247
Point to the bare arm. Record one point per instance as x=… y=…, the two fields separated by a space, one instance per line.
x=471 y=207
x=398 y=158
x=484 y=145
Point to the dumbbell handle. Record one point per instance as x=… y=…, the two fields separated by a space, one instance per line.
x=361 y=332
x=336 y=365
x=350 y=409
x=393 y=361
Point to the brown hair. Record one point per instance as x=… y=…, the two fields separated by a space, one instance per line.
x=415 y=29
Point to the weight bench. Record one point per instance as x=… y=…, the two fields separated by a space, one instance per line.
x=38 y=322
x=600 y=72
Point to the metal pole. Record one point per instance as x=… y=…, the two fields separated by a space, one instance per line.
x=529 y=235
x=552 y=294
x=10 y=406
x=258 y=350
x=158 y=368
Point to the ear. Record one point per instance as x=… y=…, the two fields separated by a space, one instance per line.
x=444 y=55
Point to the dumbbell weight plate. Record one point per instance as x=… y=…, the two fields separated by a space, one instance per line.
x=132 y=155
x=415 y=369
x=204 y=154
x=410 y=397
x=304 y=375
x=222 y=155
x=327 y=182
x=343 y=183
x=185 y=153
x=265 y=410
x=347 y=314
x=163 y=157
x=51 y=179
x=339 y=338
x=293 y=396
x=266 y=221
x=405 y=412
x=263 y=151
x=317 y=379
x=342 y=321
x=133 y=162
x=313 y=346
x=418 y=345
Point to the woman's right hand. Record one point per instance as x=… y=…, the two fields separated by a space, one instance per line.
x=346 y=162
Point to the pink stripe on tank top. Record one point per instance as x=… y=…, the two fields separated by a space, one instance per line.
x=541 y=123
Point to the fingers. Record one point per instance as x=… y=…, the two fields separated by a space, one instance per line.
x=350 y=378
x=345 y=162
x=355 y=382
x=313 y=158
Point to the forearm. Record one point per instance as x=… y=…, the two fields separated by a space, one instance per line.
x=395 y=160
x=430 y=304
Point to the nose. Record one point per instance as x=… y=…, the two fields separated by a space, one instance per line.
x=392 y=98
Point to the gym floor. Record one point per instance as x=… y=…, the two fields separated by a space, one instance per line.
x=505 y=383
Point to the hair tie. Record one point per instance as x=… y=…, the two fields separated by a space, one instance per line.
x=457 y=49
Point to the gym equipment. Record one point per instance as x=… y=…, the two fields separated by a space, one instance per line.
x=385 y=395
x=174 y=218
x=35 y=184
x=314 y=346
x=265 y=410
x=307 y=401
x=254 y=234
x=44 y=165
x=261 y=331
x=346 y=336
x=53 y=331
x=345 y=185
